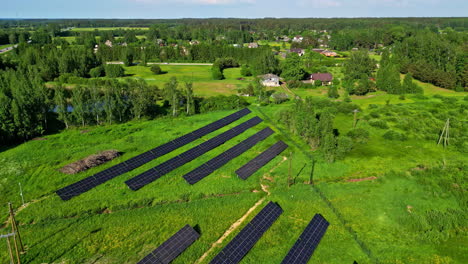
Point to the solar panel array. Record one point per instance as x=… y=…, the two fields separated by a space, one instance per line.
x=261 y=160
x=307 y=242
x=172 y=247
x=189 y=155
x=90 y=182
x=250 y=234
x=209 y=167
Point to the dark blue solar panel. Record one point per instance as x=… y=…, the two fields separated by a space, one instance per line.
x=261 y=160
x=249 y=235
x=70 y=191
x=217 y=162
x=169 y=165
x=172 y=247
x=304 y=247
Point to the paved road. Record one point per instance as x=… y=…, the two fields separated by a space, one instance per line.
x=167 y=63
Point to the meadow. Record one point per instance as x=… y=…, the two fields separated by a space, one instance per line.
x=200 y=75
x=412 y=212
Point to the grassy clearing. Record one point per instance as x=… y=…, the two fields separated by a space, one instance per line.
x=5 y=46
x=200 y=75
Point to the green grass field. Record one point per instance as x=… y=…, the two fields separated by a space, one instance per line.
x=200 y=75
x=112 y=224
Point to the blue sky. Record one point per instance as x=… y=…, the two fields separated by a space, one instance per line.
x=229 y=8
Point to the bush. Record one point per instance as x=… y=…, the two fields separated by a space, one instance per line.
x=359 y=135
x=378 y=124
x=156 y=69
x=216 y=73
x=96 y=72
x=279 y=98
x=394 y=135
x=222 y=102
x=114 y=71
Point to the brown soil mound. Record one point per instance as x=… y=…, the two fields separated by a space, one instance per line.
x=89 y=162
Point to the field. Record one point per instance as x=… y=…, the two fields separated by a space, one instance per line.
x=200 y=75
x=112 y=224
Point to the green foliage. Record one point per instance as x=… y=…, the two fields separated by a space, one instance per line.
x=279 y=98
x=292 y=68
x=114 y=70
x=333 y=92
x=359 y=64
x=359 y=135
x=245 y=70
x=97 y=72
x=394 y=135
x=388 y=79
x=216 y=73
x=156 y=69
x=222 y=102
x=378 y=124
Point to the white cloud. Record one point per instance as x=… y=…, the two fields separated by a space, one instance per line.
x=199 y=2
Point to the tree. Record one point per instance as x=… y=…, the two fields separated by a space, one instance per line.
x=141 y=98
x=95 y=102
x=245 y=70
x=364 y=85
x=62 y=105
x=292 y=68
x=333 y=92
x=97 y=72
x=216 y=73
x=172 y=94
x=128 y=57
x=388 y=79
x=79 y=101
x=409 y=86
x=189 y=98
x=359 y=63
x=156 y=69
x=114 y=71
x=109 y=103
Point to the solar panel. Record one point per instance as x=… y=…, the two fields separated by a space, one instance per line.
x=304 y=247
x=249 y=235
x=172 y=247
x=217 y=162
x=155 y=173
x=261 y=160
x=74 y=189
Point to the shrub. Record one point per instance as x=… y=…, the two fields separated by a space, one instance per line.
x=114 y=71
x=96 y=72
x=359 y=135
x=216 y=73
x=222 y=102
x=378 y=124
x=279 y=98
x=394 y=135
x=156 y=69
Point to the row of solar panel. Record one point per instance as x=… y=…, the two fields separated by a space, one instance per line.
x=87 y=184
x=243 y=242
x=217 y=162
x=155 y=173
x=172 y=247
x=255 y=164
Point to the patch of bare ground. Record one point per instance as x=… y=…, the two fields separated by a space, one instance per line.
x=230 y=230
x=39 y=139
x=362 y=179
x=90 y=162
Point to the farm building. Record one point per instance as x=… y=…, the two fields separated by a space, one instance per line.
x=298 y=39
x=270 y=80
x=325 y=78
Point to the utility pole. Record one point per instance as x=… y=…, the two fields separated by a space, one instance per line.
x=10 y=251
x=355 y=111
x=445 y=135
x=14 y=228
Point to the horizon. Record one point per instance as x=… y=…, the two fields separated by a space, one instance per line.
x=242 y=9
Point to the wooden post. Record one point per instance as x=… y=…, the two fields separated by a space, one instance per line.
x=12 y=259
x=14 y=227
x=312 y=172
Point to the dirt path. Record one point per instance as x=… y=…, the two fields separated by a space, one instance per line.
x=230 y=230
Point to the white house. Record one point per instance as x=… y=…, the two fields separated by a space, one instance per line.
x=270 y=80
